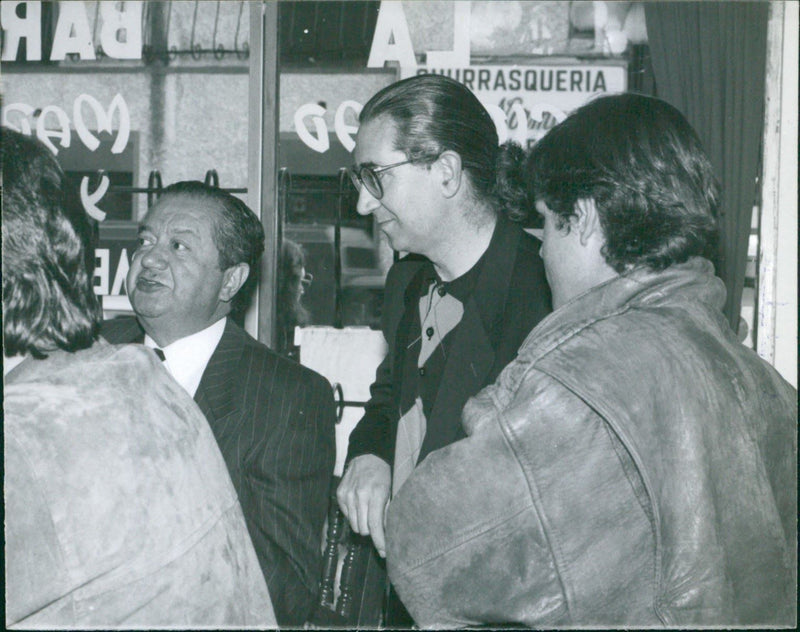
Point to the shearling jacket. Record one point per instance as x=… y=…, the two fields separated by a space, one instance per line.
x=119 y=510
x=634 y=466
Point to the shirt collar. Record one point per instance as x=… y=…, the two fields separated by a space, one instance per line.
x=461 y=287
x=186 y=358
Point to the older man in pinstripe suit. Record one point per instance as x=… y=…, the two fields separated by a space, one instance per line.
x=273 y=419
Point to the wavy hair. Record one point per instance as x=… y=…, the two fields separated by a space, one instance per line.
x=237 y=232
x=291 y=310
x=48 y=255
x=432 y=114
x=643 y=165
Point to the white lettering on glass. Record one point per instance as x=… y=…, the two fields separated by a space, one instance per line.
x=345 y=131
x=73 y=34
x=391 y=41
x=120 y=31
x=103 y=120
x=121 y=18
x=459 y=56
x=318 y=142
x=16 y=28
x=90 y=200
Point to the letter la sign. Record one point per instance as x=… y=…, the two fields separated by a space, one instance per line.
x=392 y=40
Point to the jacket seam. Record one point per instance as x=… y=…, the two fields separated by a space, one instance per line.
x=535 y=496
x=463 y=538
x=607 y=417
x=533 y=365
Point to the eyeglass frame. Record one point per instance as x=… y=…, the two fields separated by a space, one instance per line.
x=358 y=181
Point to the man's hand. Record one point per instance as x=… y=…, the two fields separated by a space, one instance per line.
x=363 y=496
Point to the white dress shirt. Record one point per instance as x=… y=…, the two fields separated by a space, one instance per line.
x=186 y=359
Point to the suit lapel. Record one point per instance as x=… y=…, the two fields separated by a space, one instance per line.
x=216 y=394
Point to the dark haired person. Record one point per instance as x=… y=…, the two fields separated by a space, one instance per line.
x=635 y=466
x=292 y=282
x=119 y=511
x=273 y=418
x=430 y=170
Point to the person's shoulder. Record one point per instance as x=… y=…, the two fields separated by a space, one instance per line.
x=102 y=361
x=404 y=270
x=92 y=382
x=121 y=330
x=281 y=367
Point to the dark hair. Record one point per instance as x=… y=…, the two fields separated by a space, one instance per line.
x=643 y=165
x=432 y=114
x=48 y=254
x=291 y=312
x=237 y=232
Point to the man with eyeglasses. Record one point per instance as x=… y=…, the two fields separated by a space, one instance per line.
x=430 y=170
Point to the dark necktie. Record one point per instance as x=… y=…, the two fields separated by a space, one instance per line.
x=159 y=353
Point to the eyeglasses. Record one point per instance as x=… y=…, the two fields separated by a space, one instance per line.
x=307 y=279
x=368 y=177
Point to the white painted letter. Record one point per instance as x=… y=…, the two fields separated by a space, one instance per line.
x=320 y=142
x=459 y=56
x=122 y=271
x=125 y=19
x=25 y=110
x=600 y=23
x=344 y=132
x=101 y=270
x=72 y=15
x=90 y=200
x=392 y=41
x=103 y=122
x=15 y=27
x=45 y=134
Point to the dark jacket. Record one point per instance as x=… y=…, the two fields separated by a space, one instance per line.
x=274 y=421
x=635 y=466
x=510 y=296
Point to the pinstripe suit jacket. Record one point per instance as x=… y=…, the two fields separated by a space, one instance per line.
x=274 y=422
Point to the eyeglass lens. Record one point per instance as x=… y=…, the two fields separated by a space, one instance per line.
x=368 y=178
x=371 y=182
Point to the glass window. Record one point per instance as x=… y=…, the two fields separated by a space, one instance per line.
x=131 y=96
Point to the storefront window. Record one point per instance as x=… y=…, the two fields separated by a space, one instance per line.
x=529 y=62
x=132 y=96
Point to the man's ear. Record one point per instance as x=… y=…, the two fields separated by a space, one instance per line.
x=232 y=281
x=586 y=220
x=448 y=166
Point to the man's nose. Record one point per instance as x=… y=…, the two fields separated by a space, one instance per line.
x=367 y=203
x=154 y=257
